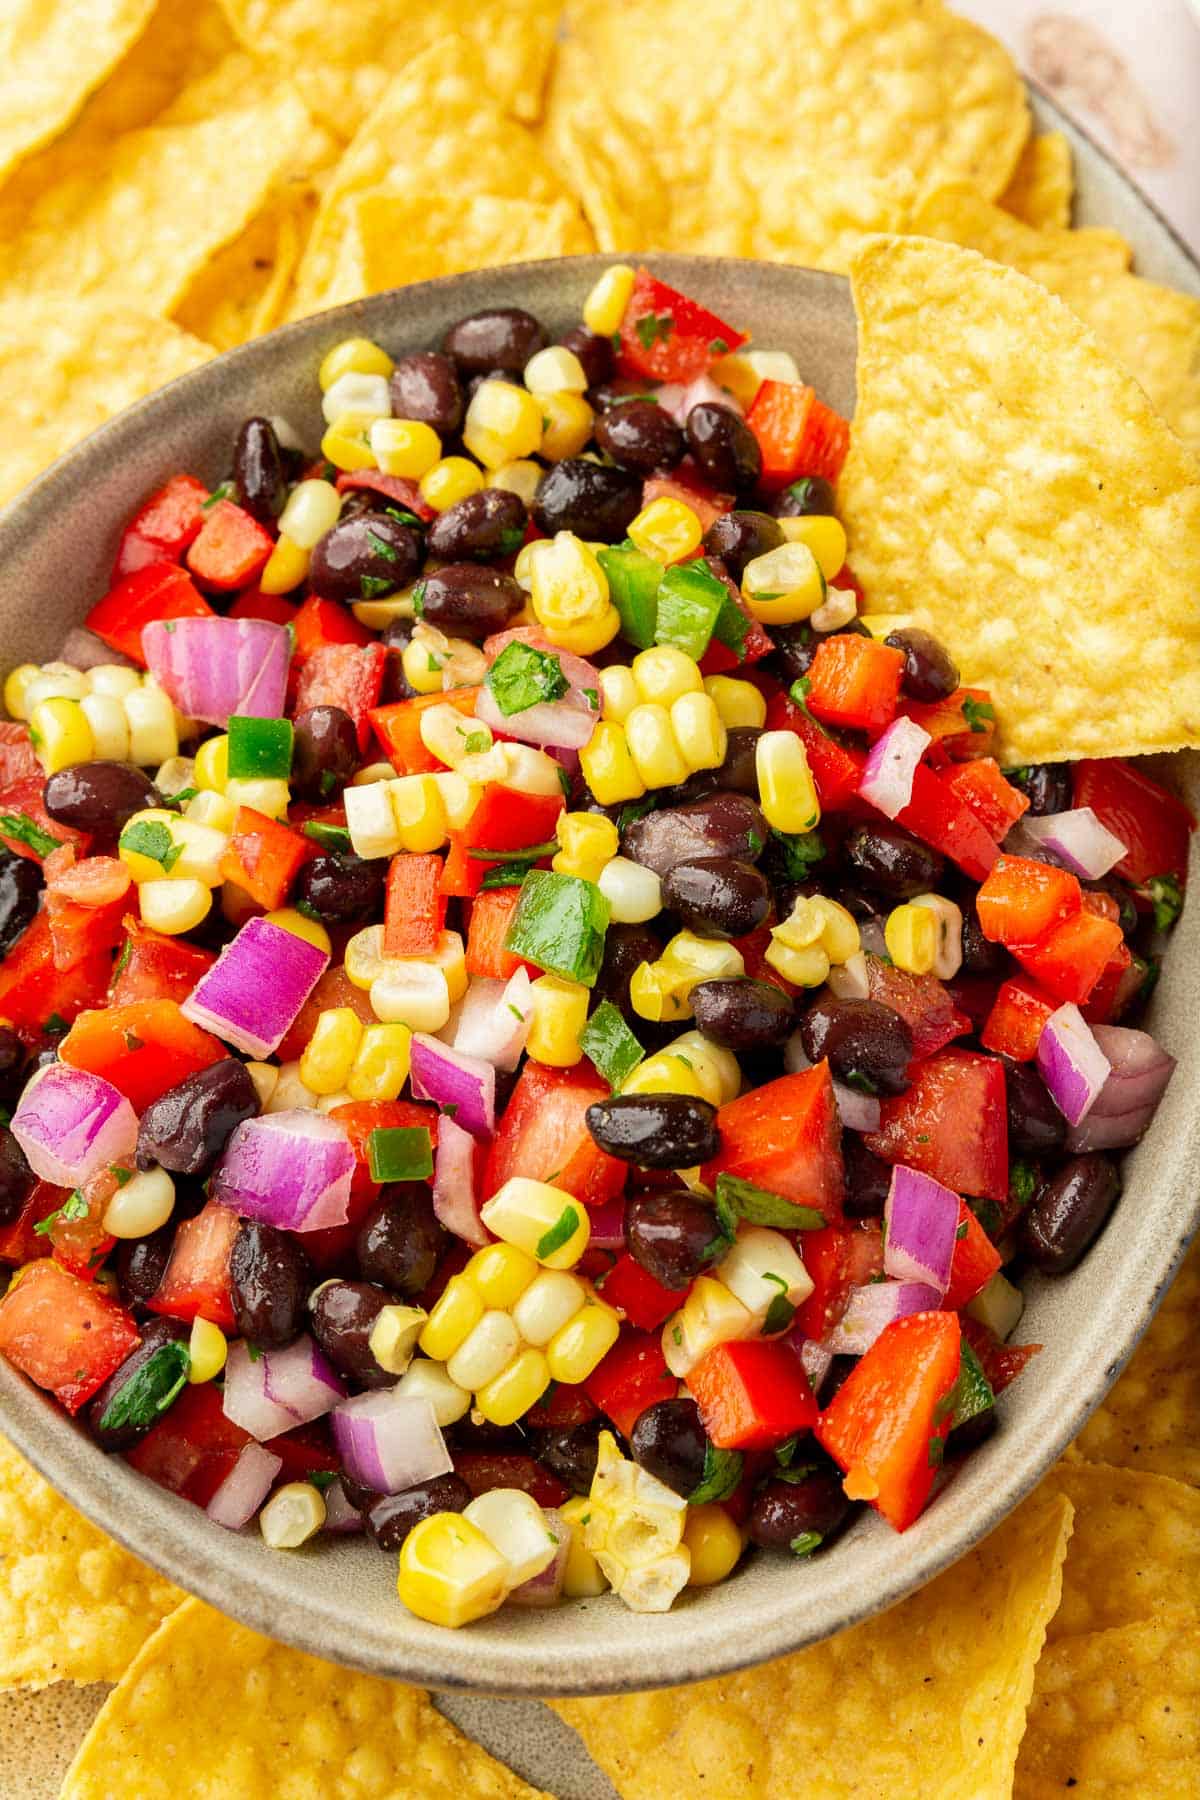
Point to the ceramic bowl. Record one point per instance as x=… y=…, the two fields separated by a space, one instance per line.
x=337 y=1597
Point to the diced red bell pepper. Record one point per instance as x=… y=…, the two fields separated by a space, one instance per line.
x=1022 y=899
x=161 y=591
x=415 y=907
x=18 y=758
x=303 y=1452
x=668 y=336
x=922 y=1001
x=345 y=675
x=231 y=550
x=785 y=1137
x=65 y=1334
x=962 y=725
x=153 y=967
x=264 y=857
x=1001 y=1362
x=719 y=659
x=37 y=999
x=196 y=1283
x=687 y=484
x=404 y=495
x=192 y=1448
x=85 y=904
x=753 y=949
x=1153 y=825
x=398 y=728
x=752 y=1395
x=855 y=682
x=974 y=1261
x=837 y=1258
x=320 y=623
x=797 y=433
x=143 y=1048
x=644 y=1301
x=887 y=1424
x=162 y=528
x=254 y=604
x=944 y=822
x=491 y=916
x=633 y=1376
x=1019 y=1013
x=543 y=1134
x=996 y=803
x=483 y=1470
x=952 y=1123
x=504 y=820
x=22 y=805
x=1114 y=989
x=358 y=1119
x=334 y=988
x=1069 y=959
x=20 y=1242
x=836 y=771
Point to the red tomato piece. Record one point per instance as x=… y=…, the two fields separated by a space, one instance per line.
x=797 y=433
x=64 y=1333
x=837 y=1258
x=192 y=1448
x=18 y=758
x=161 y=591
x=254 y=604
x=633 y=1376
x=345 y=675
x=163 y=527
x=231 y=549
x=21 y=805
x=143 y=1048
x=752 y=1395
x=785 y=1137
x=81 y=1244
x=196 y=1283
x=542 y=1134
x=952 y=1123
x=1151 y=822
x=668 y=336
x=264 y=857
x=996 y=803
x=1001 y=1362
x=1069 y=959
x=1014 y=1025
x=20 y=1242
x=1021 y=900
x=836 y=771
x=85 y=904
x=974 y=1261
x=922 y=1001
x=320 y=623
x=398 y=728
x=405 y=495
x=944 y=822
x=304 y=1452
x=687 y=484
x=491 y=916
x=415 y=908
x=1114 y=989
x=37 y=999
x=855 y=682
x=643 y=1301
x=153 y=967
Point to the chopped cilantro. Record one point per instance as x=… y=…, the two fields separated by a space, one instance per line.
x=635 y=810
x=719 y=347
x=523 y=676
x=321 y=1479
x=152 y=839
x=27 y=831
x=225 y=491
x=418 y=600
x=381 y=547
x=476 y=743
x=149 y=1390
x=505 y=874
x=73 y=1207
x=1167 y=896
x=721 y=1473
x=1022 y=1182
x=330 y=837
x=610 y=1044
x=531 y=855
x=403 y=516
x=56 y=1024
x=800 y=850
x=781 y=1312
x=652 y=328
x=806 y=1543
x=560 y=1233
x=978 y=714
x=374 y=587
x=758 y=1207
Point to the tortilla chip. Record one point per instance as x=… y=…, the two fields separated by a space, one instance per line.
x=958 y=215
x=51 y=58
x=74 y=1606
x=928 y=1699
x=606 y=163
x=65 y=369
x=1135 y=1549
x=1116 y=1716
x=40 y=1733
x=1011 y=489
x=1149 y=1420
x=242 y=291
x=1043 y=183
x=261 y=1722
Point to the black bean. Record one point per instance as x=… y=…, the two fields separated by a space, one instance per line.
x=98 y=797
x=741 y=1014
x=357 y=501
x=738 y=537
x=324 y=753
x=1068 y=1212
x=795 y=647
x=425 y=387
x=718 y=896
x=1035 y=1125
x=391 y=1517
x=724 y=824
x=400 y=1240
x=465 y=597
x=811 y=494
x=365 y=558
x=155 y=1333
x=12 y=1067
x=892 y=861
x=971 y=1433
x=979 y=955
x=617 y=390
x=1047 y=784
x=359 y=1496
x=868 y=1045
x=868 y=1179
x=723 y=446
x=669 y=1442
x=186 y=1129
x=798 y=1515
x=343 y=1314
x=672 y=1235
x=625 y=947
x=656 y=1131
x=595 y=502
x=270 y=1277
x=341 y=887
x=258 y=471
x=479 y=528
x=595 y=353
x=396 y=686
x=499 y=337
x=571 y=1454
x=929 y=671
x=639 y=435
x=16 y=1177
x=141 y=1263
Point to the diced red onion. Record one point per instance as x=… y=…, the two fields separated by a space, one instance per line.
x=607 y=1223
x=389 y=1443
x=1139 y=1072
x=816 y=1360
x=215 y=667
x=873 y=1307
x=71 y=1123
x=545 y=1588
x=1072 y=1064
x=678 y=399
x=494 y=1020
x=1110 y=1131
x=254 y=991
x=920 y=1219
x=858 y=1112
x=446 y=1076
x=1078 y=839
x=564 y=724
x=84 y=651
x=244 y=1488
x=456 y=1199
x=340 y=1517
x=292 y=1169
x=276 y=1390
x=887 y=779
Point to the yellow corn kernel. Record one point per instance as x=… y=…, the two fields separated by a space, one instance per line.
x=207 y=1350
x=380 y=1068
x=173 y=907
x=567 y=422
x=286 y=566
x=709 y=1316
x=663 y=989
x=451 y=737
x=803 y=968
x=485 y=1352
x=289 y=918
x=605 y=306
x=738 y=703
x=667 y=1073
x=500 y=1274
x=566 y=583
x=110 y=730
x=714 y=1543
x=667 y=529
x=450 y=1573
x=663 y=673
x=651 y=741
x=509 y=1395
x=547 y=1303
x=784 y=585
x=619 y=692
x=698 y=731
x=419 y=813
x=266 y=794
x=555 y=370
x=450 y=481
x=456 y=1312
x=211 y=809
x=61 y=734
x=211 y=766
x=377 y=615
x=911 y=936
x=588 y=636
x=503 y=422
x=825 y=537
x=347 y=442
x=394 y=1334
x=542 y=1220
x=312 y=507
x=520 y=477
x=583 y=1341
x=608 y=768
x=583 y=1578
x=15 y=684
x=329 y=1054
x=840 y=936
x=150 y=716
x=459 y=797
x=560 y=1011
x=353 y=356
x=405 y=447
x=787 y=792
x=265 y=1077
x=422 y=668
x=588 y=841
x=715 y=1071
x=949 y=921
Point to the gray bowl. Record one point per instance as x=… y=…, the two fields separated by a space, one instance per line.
x=337 y=1598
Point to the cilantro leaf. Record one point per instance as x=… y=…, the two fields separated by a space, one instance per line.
x=523 y=676
x=27 y=831
x=1167 y=895
x=652 y=328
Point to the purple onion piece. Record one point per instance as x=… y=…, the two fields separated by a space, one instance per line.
x=244 y=1488
x=215 y=667
x=920 y=1220
x=71 y=1123
x=291 y=1169
x=254 y=991
x=456 y=1200
x=1071 y=1062
x=389 y=1443
x=887 y=779
x=873 y=1308
x=465 y=1082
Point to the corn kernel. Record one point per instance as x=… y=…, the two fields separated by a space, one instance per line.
x=709 y=1316
x=451 y=737
x=173 y=907
x=605 y=306
x=575 y=1350
x=450 y=481
x=583 y=1578
x=509 y=1395
x=425 y=1380
x=286 y=566
x=588 y=636
x=265 y=794
x=458 y=796
x=289 y=1093
x=329 y=1054
x=265 y=1076
x=371 y=819
x=377 y=615
x=619 y=692
x=503 y=422
x=520 y=477
x=380 y=1069
x=353 y=356
x=698 y=731
x=839 y=606
x=150 y=716
x=293 y=1514
x=487 y=1349
x=663 y=673
x=735 y=373
x=784 y=585
x=110 y=730
x=113 y=679
x=691 y=1064
x=146 y=1201
x=55 y=681
x=456 y=1312
x=530 y=771
x=422 y=668
x=211 y=809
x=514 y=1523
x=61 y=734
x=567 y=422
x=15 y=684
x=825 y=537
x=787 y=792
x=738 y=703
x=362 y=398
x=413 y=994
x=347 y=443
x=652 y=746
x=555 y=370
x=840 y=936
x=713 y=1542
x=450 y=1573
x=560 y=1010
x=405 y=447
x=207 y=1350
x=633 y=892
x=663 y=989
x=608 y=768
x=289 y=918
x=911 y=935
x=803 y=968
x=540 y=1219
x=667 y=529
x=394 y=1335
x=949 y=920
x=761 y=1265
x=588 y=841
x=312 y=508
x=500 y=1274
x=553 y=1297
x=567 y=584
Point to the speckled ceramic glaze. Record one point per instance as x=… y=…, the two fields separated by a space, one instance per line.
x=337 y=1598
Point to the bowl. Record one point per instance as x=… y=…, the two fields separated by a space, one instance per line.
x=337 y=1598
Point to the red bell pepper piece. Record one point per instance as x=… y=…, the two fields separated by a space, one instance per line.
x=797 y=433
x=404 y=495
x=345 y=675
x=320 y=623
x=192 y=1448
x=644 y=1301
x=231 y=550
x=303 y=1452
x=952 y=1123
x=196 y=1283
x=37 y=999
x=752 y=1395
x=334 y=988
x=254 y=604
x=491 y=916
x=944 y=822
x=1021 y=900
x=1069 y=959
x=504 y=820
x=687 y=484
x=143 y=1048
x=161 y=591
x=719 y=659
x=22 y=806
x=358 y=1119
x=162 y=529
x=264 y=857
x=20 y=1242
x=962 y=725
x=996 y=803
x=18 y=758
x=543 y=1134
x=633 y=1376
x=398 y=728
x=483 y=1470
x=838 y=1258
x=1019 y=1013
x=922 y=1001
x=835 y=770
x=1150 y=821
x=785 y=1137
x=886 y=1425
x=1001 y=1362
x=668 y=336
x=64 y=1333
x=415 y=908
x=855 y=682
x=974 y=1261
x=85 y=904
x=153 y=967
x=1114 y=989
x=561 y=1407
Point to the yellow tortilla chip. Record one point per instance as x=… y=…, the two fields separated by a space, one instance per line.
x=604 y=160
x=74 y=1606
x=214 y=1711
x=1043 y=183
x=51 y=58
x=65 y=369
x=1011 y=488
x=40 y=1733
x=928 y=1699
x=1116 y=1716
x=242 y=291
x=957 y=214
x=1135 y=1549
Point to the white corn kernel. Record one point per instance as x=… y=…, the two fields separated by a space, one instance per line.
x=110 y=730
x=265 y=1077
x=371 y=820
x=555 y=370
x=553 y=1297
x=428 y=1380
x=312 y=507
x=762 y=1267
x=150 y=717
x=515 y=1525
x=146 y=1201
x=114 y=680
x=411 y=993
x=394 y=1335
x=293 y=1514
x=290 y=1093
x=949 y=921
x=366 y=396
x=633 y=892
x=486 y=1350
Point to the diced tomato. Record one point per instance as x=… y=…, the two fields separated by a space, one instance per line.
x=974 y=1261
x=345 y=675
x=687 y=484
x=1015 y=1023
x=153 y=967
x=264 y=857
x=887 y=1424
x=405 y=495
x=491 y=916
x=837 y=1258
x=562 y=1406
x=18 y=758
x=85 y=904
x=192 y=1448
x=504 y=820
x=20 y=1242
x=633 y=1376
x=952 y=1123
x=797 y=433
x=359 y=1118
x=1001 y=1362
x=81 y=1243
x=334 y=988
x=996 y=803
x=753 y=949
x=143 y=1048
x=644 y=1301
x=974 y=996
x=855 y=682
x=1150 y=821
x=37 y=999
x=415 y=909
x=543 y=1134
x=398 y=728
x=835 y=770
x=320 y=623
x=1021 y=900
x=231 y=549
x=161 y=591
x=752 y=1395
x=163 y=527
x=1112 y=991
x=65 y=1334
x=962 y=725
x=254 y=604
x=304 y=1452
x=940 y=819
x=1069 y=959
x=196 y=1283
x=785 y=1137
x=668 y=336
x=922 y=1001
x=22 y=804
x=483 y=1470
